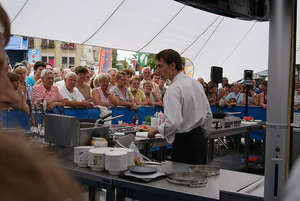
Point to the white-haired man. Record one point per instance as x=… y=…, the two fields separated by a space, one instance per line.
x=46 y=91
x=71 y=94
x=147 y=77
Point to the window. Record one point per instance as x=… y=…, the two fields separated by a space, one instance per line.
x=31 y=43
x=44 y=59
x=68 y=61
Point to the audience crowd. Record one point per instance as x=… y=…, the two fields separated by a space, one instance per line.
x=80 y=86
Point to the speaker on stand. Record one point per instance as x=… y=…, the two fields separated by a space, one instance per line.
x=216 y=75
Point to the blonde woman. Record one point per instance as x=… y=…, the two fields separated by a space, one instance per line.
x=135 y=93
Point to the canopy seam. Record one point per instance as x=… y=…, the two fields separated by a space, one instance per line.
x=19 y=11
x=200 y=35
x=208 y=39
x=239 y=43
x=161 y=29
x=104 y=22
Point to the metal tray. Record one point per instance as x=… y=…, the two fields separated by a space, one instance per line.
x=206 y=170
x=191 y=179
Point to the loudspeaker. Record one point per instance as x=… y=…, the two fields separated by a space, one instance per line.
x=248 y=76
x=216 y=74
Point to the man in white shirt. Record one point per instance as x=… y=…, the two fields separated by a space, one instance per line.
x=186 y=109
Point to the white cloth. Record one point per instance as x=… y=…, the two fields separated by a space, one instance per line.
x=74 y=96
x=186 y=107
x=104 y=111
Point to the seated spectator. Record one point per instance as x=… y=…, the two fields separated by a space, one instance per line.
x=251 y=97
x=162 y=88
x=22 y=72
x=38 y=67
x=135 y=93
x=121 y=91
x=112 y=73
x=211 y=94
x=71 y=94
x=15 y=80
x=46 y=91
x=101 y=94
x=83 y=87
x=221 y=95
x=236 y=94
x=263 y=96
x=153 y=97
x=61 y=80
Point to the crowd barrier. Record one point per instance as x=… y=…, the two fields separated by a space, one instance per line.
x=19 y=119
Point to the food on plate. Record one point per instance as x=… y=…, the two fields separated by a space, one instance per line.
x=125 y=124
x=248 y=118
x=142 y=128
x=139 y=161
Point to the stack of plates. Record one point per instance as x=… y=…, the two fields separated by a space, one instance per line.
x=96 y=158
x=116 y=161
x=130 y=156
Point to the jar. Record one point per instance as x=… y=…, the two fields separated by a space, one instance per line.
x=99 y=142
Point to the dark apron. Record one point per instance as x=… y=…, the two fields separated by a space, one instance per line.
x=190 y=147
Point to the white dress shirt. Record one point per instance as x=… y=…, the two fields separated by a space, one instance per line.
x=186 y=107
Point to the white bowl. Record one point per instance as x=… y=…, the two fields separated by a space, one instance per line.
x=97 y=158
x=81 y=155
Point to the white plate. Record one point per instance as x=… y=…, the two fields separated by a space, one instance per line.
x=249 y=122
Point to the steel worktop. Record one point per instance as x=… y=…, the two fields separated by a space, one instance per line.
x=160 y=188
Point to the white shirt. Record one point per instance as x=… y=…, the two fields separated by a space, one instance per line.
x=186 y=107
x=60 y=83
x=74 y=96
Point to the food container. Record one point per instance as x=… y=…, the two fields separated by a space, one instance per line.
x=81 y=154
x=96 y=158
x=99 y=142
x=116 y=161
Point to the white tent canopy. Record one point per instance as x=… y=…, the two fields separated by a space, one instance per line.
x=148 y=26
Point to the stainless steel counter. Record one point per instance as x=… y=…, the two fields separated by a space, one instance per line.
x=160 y=188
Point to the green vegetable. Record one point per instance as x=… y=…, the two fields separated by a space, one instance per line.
x=148 y=118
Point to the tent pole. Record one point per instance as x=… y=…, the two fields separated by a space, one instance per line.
x=280 y=94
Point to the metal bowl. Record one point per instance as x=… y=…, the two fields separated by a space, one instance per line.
x=206 y=170
x=192 y=179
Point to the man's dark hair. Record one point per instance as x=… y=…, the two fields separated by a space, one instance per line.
x=81 y=69
x=153 y=74
x=39 y=64
x=170 y=56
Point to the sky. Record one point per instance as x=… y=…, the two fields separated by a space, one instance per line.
x=125 y=54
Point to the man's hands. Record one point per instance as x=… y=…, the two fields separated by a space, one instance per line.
x=152 y=132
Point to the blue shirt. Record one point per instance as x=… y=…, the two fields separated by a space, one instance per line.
x=238 y=97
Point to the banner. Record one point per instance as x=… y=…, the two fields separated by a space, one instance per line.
x=189 y=68
x=142 y=58
x=105 y=60
x=34 y=55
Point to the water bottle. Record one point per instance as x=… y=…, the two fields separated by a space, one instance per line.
x=242 y=161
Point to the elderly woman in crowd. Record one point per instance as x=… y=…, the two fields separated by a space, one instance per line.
x=135 y=93
x=153 y=97
x=121 y=91
x=263 y=96
x=211 y=93
x=15 y=80
x=101 y=94
x=22 y=72
x=71 y=94
x=112 y=73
